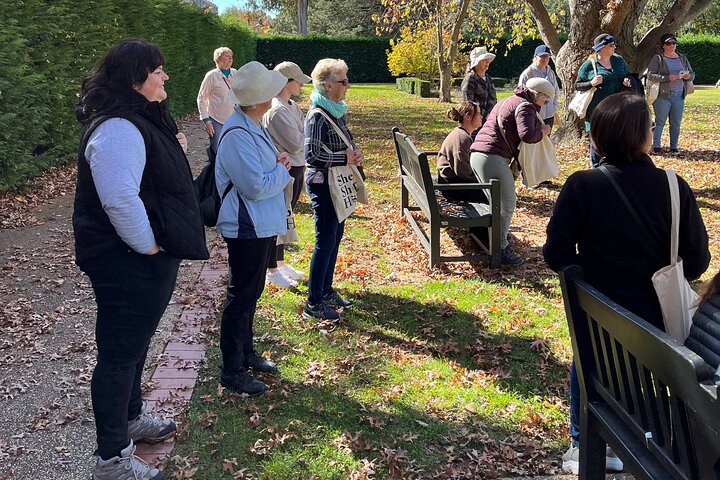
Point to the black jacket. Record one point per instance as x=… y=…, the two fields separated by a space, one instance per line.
x=166 y=190
x=592 y=227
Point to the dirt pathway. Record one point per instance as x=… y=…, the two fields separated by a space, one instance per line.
x=47 y=349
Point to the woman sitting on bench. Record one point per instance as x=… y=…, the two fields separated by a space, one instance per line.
x=453 y=160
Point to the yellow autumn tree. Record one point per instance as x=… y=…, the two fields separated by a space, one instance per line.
x=415 y=54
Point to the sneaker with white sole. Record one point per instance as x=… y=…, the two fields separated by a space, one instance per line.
x=148 y=429
x=279 y=280
x=290 y=272
x=321 y=311
x=125 y=467
x=571 y=461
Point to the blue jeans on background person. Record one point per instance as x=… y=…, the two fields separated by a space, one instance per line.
x=215 y=138
x=131 y=292
x=574 y=406
x=671 y=107
x=328 y=234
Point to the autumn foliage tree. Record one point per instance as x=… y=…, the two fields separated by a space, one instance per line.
x=446 y=17
x=415 y=54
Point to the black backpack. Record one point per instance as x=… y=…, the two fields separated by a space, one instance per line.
x=207 y=193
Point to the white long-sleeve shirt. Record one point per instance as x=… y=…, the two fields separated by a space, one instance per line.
x=286 y=124
x=212 y=98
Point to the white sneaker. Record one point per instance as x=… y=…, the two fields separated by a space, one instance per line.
x=571 y=461
x=290 y=272
x=279 y=280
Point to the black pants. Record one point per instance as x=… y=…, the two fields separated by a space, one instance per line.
x=298 y=175
x=247 y=260
x=131 y=292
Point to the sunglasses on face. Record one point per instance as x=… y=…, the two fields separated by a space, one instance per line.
x=344 y=82
x=671 y=43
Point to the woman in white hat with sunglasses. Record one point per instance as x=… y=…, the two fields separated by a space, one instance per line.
x=251 y=216
x=477 y=86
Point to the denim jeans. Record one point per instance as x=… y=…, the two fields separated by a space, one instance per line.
x=247 y=259
x=328 y=234
x=671 y=107
x=574 y=405
x=131 y=292
x=487 y=167
x=216 y=136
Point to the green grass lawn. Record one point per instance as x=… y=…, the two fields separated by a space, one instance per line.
x=458 y=372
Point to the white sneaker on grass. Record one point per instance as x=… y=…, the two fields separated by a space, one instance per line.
x=571 y=461
x=290 y=272
x=125 y=467
x=279 y=280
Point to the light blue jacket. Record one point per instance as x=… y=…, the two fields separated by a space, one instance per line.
x=255 y=206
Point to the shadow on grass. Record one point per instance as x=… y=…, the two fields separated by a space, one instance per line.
x=303 y=430
x=446 y=333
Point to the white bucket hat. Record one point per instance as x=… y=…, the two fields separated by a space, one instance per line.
x=478 y=54
x=253 y=84
x=292 y=71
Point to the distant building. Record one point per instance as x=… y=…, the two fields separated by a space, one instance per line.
x=204 y=4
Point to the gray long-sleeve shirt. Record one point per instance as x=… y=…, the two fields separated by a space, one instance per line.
x=116 y=155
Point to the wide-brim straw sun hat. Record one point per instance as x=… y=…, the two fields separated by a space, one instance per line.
x=478 y=54
x=292 y=71
x=253 y=84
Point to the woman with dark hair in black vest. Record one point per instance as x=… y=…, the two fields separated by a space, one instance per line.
x=136 y=215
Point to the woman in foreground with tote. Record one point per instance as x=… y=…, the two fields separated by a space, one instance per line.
x=592 y=226
x=328 y=144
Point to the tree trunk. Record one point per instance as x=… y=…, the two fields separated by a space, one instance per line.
x=446 y=58
x=302 y=11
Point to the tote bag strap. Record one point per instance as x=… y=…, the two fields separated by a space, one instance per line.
x=675 y=209
x=339 y=131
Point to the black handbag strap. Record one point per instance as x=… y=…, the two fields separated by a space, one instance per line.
x=627 y=203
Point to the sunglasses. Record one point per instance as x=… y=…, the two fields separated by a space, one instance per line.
x=344 y=83
x=671 y=43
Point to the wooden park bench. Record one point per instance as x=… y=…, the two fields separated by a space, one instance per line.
x=417 y=181
x=643 y=394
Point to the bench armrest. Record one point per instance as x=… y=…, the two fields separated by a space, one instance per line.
x=461 y=186
x=434 y=154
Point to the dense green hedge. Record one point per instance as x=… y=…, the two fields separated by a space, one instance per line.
x=414 y=86
x=47 y=47
x=365 y=56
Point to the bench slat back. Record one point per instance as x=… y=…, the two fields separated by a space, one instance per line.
x=649 y=381
x=415 y=170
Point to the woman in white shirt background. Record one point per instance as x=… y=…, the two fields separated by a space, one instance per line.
x=212 y=100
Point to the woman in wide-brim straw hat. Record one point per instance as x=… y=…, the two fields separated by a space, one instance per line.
x=324 y=148
x=285 y=122
x=477 y=86
x=252 y=214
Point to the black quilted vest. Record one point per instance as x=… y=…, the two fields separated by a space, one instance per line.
x=166 y=189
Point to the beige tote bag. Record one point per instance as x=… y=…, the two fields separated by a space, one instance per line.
x=538 y=160
x=678 y=301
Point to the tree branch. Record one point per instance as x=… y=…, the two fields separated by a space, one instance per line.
x=544 y=24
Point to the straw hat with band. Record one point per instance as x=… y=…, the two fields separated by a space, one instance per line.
x=253 y=84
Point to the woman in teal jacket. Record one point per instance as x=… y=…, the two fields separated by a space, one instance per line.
x=606 y=71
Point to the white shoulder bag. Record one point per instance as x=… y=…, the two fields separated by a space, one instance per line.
x=580 y=102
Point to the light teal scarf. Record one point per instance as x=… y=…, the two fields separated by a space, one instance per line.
x=336 y=109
